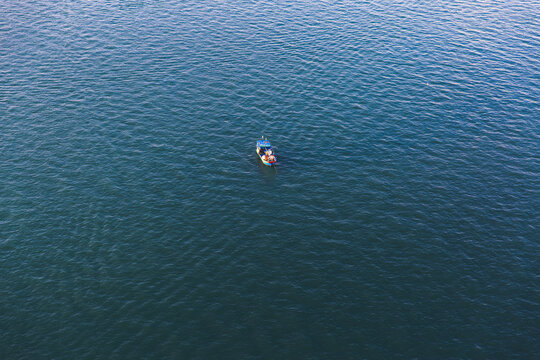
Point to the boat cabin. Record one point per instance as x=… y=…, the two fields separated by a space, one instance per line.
x=263 y=146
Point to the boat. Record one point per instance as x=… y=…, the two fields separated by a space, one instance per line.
x=265 y=152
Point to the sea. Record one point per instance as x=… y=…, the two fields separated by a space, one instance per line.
x=401 y=221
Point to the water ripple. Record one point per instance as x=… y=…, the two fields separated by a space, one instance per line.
x=136 y=220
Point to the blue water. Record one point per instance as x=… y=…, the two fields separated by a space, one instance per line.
x=136 y=221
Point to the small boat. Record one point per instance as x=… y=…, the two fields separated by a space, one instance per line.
x=265 y=152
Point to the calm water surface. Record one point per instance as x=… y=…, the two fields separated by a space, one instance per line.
x=136 y=221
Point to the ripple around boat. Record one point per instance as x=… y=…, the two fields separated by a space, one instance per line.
x=401 y=221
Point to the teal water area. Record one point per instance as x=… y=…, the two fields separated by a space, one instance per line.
x=136 y=221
